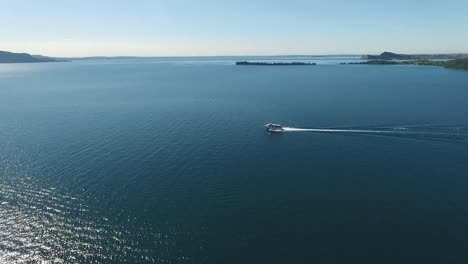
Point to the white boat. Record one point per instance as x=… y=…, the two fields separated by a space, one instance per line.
x=274 y=127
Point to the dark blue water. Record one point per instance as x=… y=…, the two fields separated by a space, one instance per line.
x=167 y=161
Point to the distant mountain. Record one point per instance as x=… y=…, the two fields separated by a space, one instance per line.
x=394 y=56
x=10 y=57
x=388 y=56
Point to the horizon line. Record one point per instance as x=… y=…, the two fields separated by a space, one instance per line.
x=244 y=55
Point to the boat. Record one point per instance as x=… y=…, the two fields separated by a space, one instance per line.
x=274 y=128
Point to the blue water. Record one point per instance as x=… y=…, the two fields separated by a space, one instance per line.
x=165 y=160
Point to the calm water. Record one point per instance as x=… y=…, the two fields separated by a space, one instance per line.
x=166 y=161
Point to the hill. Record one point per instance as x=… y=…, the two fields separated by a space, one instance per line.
x=11 y=57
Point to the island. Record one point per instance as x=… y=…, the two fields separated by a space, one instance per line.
x=10 y=57
x=274 y=63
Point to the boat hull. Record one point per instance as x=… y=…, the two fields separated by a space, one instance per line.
x=274 y=128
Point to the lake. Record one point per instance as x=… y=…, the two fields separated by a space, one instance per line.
x=166 y=160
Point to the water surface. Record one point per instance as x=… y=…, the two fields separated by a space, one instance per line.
x=166 y=160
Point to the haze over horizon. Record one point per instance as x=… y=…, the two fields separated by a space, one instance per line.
x=190 y=28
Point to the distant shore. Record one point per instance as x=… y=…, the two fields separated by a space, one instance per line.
x=451 y=61
x=450 y=64
x=395 y=56
x=11 y=57
x=247 y=63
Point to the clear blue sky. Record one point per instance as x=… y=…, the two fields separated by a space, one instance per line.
x=238 y=27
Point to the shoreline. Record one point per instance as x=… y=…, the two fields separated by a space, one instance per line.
x=247 y=63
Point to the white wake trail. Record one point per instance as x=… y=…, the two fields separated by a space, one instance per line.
x=293 y=129
x=452 y=135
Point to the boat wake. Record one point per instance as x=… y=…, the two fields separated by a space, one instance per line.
x=293 y=129
x=445 y=133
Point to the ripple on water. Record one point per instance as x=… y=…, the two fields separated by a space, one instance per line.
x=42 y=221
x=47 y=224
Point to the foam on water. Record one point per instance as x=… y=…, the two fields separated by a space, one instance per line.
x=293 y=129
x=426 y=132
